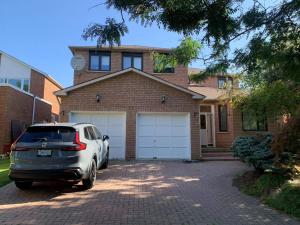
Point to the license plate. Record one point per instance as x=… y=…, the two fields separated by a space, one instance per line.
x=44 y=152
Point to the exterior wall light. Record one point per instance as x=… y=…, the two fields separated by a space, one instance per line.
x=163 y=99
x=98 y=98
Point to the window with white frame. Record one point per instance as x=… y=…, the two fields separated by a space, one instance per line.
x=22 y=84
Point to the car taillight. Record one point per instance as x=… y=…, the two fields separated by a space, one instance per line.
x=78 y=145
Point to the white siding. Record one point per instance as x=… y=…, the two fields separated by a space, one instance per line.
x=10 y=68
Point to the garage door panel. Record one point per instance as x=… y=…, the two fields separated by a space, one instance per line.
x=146 y=130
x=179 y=142
x=145 y=142
x=162 y=142
x=163 y=131
x=111 y=124
x=163 y=120
x=179 y=131
x=164 y=136
x=146 y=120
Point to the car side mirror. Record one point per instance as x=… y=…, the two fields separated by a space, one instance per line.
x=105 y=137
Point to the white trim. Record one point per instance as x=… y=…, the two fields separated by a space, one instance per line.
x=212 y=107
x=32 y=68
x=188 y=114
x=66 y=90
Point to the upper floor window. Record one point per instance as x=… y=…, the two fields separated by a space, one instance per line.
x=168 y=68
x=22 y=84
x=254 y=121
x=100 y=61
x=134 y=60
x=223 y=82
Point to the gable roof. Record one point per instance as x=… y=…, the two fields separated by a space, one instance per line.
x=135 y=48
x=32 y=68
x=65 y=91
x=210 y=92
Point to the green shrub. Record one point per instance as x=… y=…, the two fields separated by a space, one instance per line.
x=254 y=150
x=265 y=184
x=287 y=200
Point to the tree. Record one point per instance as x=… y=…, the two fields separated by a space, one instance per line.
x=269 y=61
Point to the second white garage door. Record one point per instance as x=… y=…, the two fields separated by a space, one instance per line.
x=111 y=124
x=163 y=136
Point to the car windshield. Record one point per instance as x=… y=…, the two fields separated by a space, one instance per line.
x=48 y=134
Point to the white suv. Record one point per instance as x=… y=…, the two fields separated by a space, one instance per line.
x=62 y=151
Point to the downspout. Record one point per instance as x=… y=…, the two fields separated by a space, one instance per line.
x=33 y=110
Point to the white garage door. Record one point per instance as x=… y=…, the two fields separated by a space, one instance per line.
x=111 y=124
x=163 y=136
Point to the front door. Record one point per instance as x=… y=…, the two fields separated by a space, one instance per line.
x=206 y=131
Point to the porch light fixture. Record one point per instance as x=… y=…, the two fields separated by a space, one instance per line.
x=163 y=99
x=98 y=98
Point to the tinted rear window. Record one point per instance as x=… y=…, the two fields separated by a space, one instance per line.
x=48 y=134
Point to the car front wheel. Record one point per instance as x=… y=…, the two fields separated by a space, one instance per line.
x=105 y=164
x=90 y=181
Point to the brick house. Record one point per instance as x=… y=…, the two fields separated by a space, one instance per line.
x=26 y=97
x=150 y=114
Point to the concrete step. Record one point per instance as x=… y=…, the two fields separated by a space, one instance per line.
x=217 y=154
x=224 y=158
x=216 y=150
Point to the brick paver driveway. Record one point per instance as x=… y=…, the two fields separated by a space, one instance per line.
x=143 y=193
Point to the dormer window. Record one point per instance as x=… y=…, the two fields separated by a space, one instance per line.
x=132 y=60
x=100 y=61
x=223 y=82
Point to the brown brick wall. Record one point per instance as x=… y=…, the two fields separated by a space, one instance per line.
x=224 y=138
x=273 y=126
x=16 y=105
x=37 y=84
x=44 y=88
x=133 y=93
x=180 y=76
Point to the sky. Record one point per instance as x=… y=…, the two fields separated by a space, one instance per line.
x=39 y=32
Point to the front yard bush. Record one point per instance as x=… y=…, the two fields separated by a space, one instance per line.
x=255 y=151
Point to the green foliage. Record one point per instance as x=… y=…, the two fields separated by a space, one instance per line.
x=269 y=60
x=110 y=33
x=4 y=169
x=255 y=151
x=276 y=98
x=265 y=184
x=287 y=200
x=186 y=52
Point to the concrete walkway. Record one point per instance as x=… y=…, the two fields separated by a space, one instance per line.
x=139 y=193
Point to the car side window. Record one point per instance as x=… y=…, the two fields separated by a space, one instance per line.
x=98 y=133
x=86 y=133
x=92 y=133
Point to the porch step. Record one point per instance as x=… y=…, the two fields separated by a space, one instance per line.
x=218 y=156
x=205 y=149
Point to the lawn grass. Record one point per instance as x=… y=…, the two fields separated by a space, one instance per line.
x=4 y=169
x=276 y=191
x=264 y=185
x=286 y=200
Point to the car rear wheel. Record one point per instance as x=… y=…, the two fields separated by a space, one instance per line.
x=105 y=164
x=90 y=181
x=23 y=185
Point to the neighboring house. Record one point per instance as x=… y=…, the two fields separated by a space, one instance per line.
x=26 y=97
x=147 y=114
